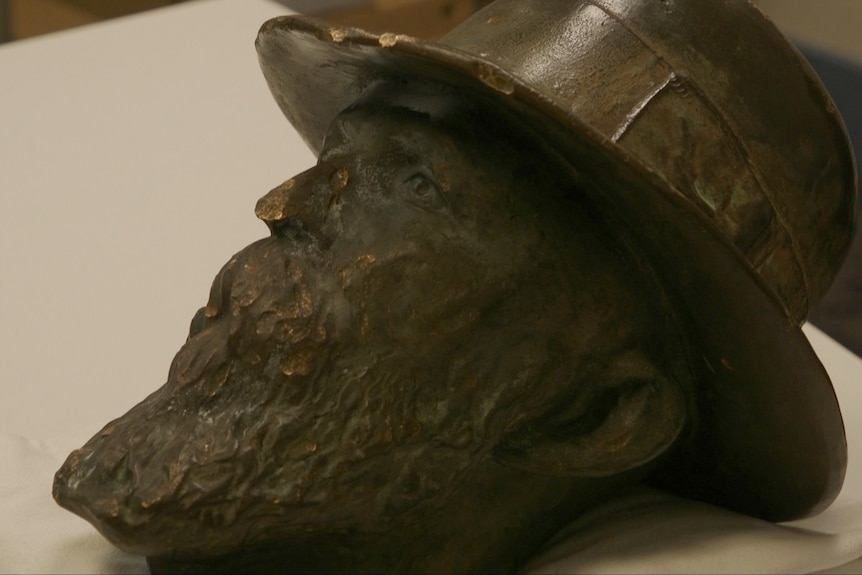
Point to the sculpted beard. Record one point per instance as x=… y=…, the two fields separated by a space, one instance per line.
x=284 y=407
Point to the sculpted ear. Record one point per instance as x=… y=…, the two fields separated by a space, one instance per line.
x=625 y=423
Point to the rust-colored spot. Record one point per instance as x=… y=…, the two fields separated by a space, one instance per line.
x=388 y=40
x=271 y=207
x=339 y=180
x=364 y=262
x=298 y=363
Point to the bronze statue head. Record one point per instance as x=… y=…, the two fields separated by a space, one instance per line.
x=479 y=314
x=435 y=313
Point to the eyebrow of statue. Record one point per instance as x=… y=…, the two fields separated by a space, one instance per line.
x=339 y=137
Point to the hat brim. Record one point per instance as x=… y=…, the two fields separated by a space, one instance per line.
x=770 y=439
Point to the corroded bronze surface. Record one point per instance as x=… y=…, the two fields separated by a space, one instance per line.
x=350 y=373
x=492 y=303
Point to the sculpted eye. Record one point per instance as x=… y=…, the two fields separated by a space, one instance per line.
x=422 y=189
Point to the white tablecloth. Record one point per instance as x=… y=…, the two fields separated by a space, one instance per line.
x=131 y=156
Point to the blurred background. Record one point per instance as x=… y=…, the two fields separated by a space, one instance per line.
x=829 y=24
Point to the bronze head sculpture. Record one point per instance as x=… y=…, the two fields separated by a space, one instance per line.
x=564 y=250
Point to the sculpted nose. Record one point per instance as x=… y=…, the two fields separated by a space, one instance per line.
x=292 y=203
x=304 y=200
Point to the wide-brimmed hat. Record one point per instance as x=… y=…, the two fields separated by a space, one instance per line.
x=698 y=128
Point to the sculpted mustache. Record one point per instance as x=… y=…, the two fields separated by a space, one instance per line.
x=299 y=249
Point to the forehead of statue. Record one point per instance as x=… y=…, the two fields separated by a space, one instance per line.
x=471 y=150
x=375 y=129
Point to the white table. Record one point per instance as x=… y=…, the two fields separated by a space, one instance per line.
x=131 y=156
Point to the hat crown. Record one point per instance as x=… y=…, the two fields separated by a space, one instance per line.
x=711 y=98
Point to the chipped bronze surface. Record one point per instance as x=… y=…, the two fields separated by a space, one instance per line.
x=501 y=296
